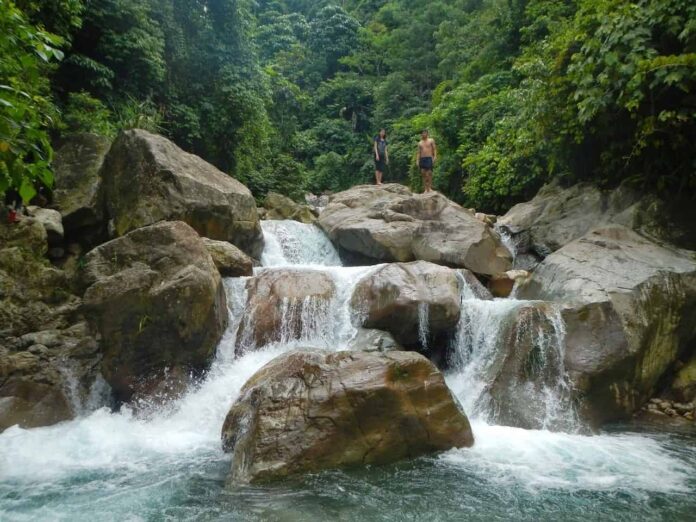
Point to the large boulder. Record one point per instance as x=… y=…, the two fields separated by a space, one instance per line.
x=309 y=411
x=229 y=260
x=557 y=215
x=389 y=223
x=158 y=302
x=285 y=305
x=631 y=311
x=282 y=207
x=78 y=191
x=415 y=302
x=149 y=179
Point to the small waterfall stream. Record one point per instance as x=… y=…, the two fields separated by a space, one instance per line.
x=507 y=361
x=169 y=466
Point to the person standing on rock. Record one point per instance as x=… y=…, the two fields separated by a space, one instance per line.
x=427 y=156
x=381 y=153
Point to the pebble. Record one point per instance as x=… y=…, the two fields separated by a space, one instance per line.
x=666 y=408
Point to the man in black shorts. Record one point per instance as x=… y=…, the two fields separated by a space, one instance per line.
x=427 y=156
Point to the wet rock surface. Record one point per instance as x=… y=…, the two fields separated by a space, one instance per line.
x=631 y=312
x=413 y=301
x=48 y=356
x=284 y=305
x=229 y=260
x=309 y=411
x=158 y=303
x=282 y=207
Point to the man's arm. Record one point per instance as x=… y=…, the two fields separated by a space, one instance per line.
x=418 y=155
x=434 y=151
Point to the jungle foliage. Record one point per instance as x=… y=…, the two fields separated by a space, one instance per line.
x=287 y=95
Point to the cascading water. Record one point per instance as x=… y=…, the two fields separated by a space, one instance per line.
x=508 y=241
x=507 y=362
x=169 y=466
x=293 y=243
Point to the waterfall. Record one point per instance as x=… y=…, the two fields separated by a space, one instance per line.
x=108 y=465
x=508 y=241
x=294 y=243
x=423 y=325
x=507 y=361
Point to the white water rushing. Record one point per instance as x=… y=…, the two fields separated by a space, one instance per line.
x=108 y=466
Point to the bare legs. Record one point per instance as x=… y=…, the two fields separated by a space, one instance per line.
x=427 y=180
x=378 y=177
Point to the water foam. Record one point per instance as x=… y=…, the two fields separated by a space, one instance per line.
x=290 y=243
x=105 y=460
x=540 y=459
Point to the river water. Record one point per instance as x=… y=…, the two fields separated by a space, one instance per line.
x=168 y=465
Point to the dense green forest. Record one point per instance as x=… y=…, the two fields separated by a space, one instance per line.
x=286 y=95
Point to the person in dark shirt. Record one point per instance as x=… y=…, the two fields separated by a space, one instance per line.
x=381 y=155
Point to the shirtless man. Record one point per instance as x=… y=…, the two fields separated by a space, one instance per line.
x=427 y=156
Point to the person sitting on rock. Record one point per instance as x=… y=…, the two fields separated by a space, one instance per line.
x=426 y=158
x=381 y=155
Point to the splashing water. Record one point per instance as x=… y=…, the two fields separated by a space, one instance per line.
x=170 y=466
x=508 y=241
x=495 y=379
x=294 y=243
x=423 y=324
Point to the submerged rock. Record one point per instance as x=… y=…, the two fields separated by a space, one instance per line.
x=413 y=301
x=149 y=179
x=310 y=411
x=282 y=207
x=631 y=312
x=157 y=300
x=389 y=223
x=229 y=260
x=284 y=305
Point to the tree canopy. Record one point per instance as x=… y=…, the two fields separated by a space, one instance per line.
x=286 y=95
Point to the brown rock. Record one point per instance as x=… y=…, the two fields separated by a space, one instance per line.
x=149 y=179
x=389 y=223
x=399 y=297
x=282 y=207
x=229 y=260
x=78 y=192
x=631 y=311
x=278 y=300
x=158 y=302
x=309 y=411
